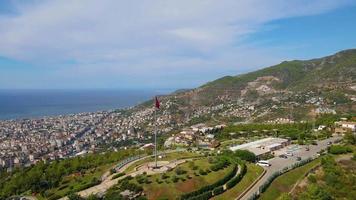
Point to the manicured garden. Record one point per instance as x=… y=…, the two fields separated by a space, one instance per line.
x=186 y=178
x=166 y=157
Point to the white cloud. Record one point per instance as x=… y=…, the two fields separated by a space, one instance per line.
x=139 y=36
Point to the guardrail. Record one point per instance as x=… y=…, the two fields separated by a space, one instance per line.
x=128 y=160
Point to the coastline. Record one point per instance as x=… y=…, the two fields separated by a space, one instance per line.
x=38 y=104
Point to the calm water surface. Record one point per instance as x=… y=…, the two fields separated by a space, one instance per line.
x=15 y=104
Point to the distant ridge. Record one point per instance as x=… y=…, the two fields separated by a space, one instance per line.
x=331 y=77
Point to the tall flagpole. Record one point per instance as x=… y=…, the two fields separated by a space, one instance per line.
x=155 y=129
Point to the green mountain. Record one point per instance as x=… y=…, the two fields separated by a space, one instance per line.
x=303 y=88
x=338 y=70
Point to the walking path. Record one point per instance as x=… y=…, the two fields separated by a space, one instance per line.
x=237 y=173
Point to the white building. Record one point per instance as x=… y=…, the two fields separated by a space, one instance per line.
x=347 y=125
x=263 y=146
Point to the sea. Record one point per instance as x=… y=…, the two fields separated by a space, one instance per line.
x=24 y=104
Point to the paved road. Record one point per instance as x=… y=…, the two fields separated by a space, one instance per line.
x=280 y=163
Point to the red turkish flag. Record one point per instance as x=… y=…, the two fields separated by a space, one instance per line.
x=157 y=104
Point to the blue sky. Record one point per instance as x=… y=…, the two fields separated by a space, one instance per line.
x=163 y=43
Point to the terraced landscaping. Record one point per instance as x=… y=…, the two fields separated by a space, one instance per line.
x=192 y=180
x=166 y=157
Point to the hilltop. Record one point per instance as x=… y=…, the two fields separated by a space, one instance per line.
x=291 y=90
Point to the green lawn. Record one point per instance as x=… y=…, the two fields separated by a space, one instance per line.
x=171 y=190
x=253 y=172
x=285 y=182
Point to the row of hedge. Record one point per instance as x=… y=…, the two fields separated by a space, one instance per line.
x=231 y=183
x=118 y=175
x=218 y=190
x=204 y=196
x=270 y=179
x=278 y=173
x=210 y=188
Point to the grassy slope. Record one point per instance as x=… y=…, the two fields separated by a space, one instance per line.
x=342 y=187
x=253 y=172
x=296 y=73
x=285 y=182
x=75 y=183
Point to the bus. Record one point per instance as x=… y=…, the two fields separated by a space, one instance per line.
x=263 y=163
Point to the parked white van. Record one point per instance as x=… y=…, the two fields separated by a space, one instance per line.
x=263 y=163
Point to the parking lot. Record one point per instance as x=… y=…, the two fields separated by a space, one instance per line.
x=278 y=163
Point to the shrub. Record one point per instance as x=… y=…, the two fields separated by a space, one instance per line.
x=131 y=186
x=175 y=179
x=164 y=176
x=218 y=190
x=339 y=149
x=220 y=164
x=158 y=181
x=92 y=197
x=202 y=172
x=118 y=175
x=74 y=196
x=180 y=171
x=312 y=178
x=141 y=179
x=112 y=171
x=237 y=178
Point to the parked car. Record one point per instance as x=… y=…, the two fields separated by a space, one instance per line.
x=329 y=143
x=289 y=154
x=307 y=149
x=263 y=163
x=299 y=158
x=283 y=156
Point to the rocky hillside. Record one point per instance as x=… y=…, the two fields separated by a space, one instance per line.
x=291 y=90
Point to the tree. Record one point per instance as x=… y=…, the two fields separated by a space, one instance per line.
x=112 y=171
x=339 y=149
x=74 y=196
x=92 y=197
x=350 y=138
x=315 y=192
x=245 y=155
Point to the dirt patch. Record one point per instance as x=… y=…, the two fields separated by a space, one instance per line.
x=154 y=195
x=188 y=185
x=282 y=188
x=348 y=164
